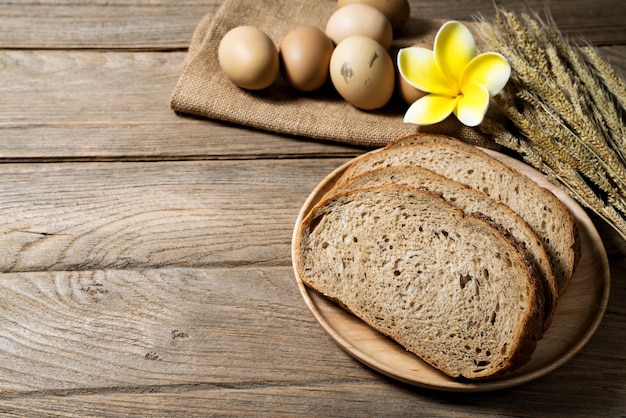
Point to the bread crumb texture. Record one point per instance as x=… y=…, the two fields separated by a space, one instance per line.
x=447 y=286
x=546 y=215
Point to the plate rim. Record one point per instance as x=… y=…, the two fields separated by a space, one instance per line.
x=456 y=385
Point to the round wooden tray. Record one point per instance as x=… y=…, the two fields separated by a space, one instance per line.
x=577 y=316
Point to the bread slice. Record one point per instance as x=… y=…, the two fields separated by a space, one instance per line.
x=470 y=201
x=549 y=218
x=447 y=286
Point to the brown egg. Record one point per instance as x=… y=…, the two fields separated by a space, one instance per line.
x=362 y=72
x=248 y=57
x=305 y=56
x=397 y=11
x=359 y=20
x=409 y=93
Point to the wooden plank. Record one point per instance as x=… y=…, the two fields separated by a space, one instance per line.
x=600 y=22
x=232 y=341
x=378 y=398
x=155 y=25
x=131 y=330
x=163 y=25
x=115 y=106
x=146 y=215
x=59 y=105
x=76 y=216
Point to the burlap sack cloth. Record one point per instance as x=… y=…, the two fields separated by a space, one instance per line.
x=203 y=89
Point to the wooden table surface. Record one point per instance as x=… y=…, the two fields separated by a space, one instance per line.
x=145 y=256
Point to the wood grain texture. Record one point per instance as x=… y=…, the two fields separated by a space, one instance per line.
x=101 y=24
x=145 y=256
x=144 y=215
x=315 y=400
x=230 y=341
x=166 y=25
x=87 y=105
x=158 y=328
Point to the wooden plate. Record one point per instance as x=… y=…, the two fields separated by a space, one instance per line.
x=577 y=316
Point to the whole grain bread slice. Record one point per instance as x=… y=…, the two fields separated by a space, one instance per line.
x=448 y=286
x=549 y=218
x=472 y=202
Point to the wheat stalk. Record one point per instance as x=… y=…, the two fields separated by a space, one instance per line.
x=565 y=109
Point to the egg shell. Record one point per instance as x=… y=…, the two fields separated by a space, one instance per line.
x=407 y=92
x=362 y=72
x=397 y=11
x=248 y=57
x=305 y=54
x=359 y=20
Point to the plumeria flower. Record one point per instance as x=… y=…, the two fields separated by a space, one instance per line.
x=458 y=81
